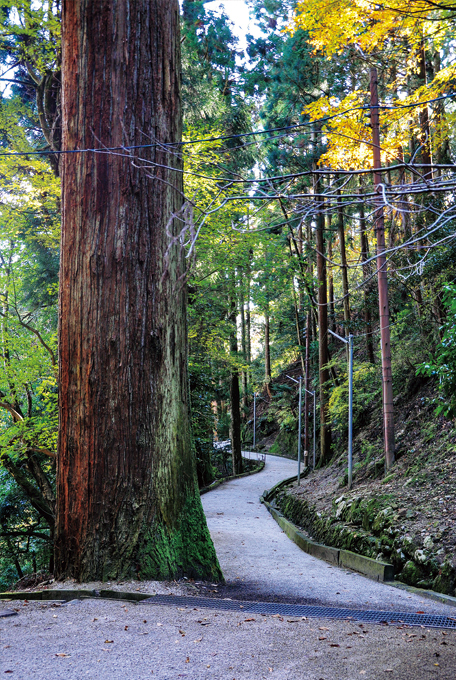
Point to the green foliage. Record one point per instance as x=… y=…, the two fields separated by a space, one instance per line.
x=25 y=544
x=443 y=365
x=366 y=388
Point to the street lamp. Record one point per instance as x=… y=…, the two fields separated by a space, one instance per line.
x=299 y=423
x=254 y=420
x=349 y=342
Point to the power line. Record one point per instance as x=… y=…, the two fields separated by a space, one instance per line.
x=225 y=137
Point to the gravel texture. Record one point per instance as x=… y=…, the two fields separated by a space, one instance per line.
x=110 y=640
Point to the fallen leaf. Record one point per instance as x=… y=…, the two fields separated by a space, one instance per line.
x=145 y=621
x=322 y=638
x=159 y=624
x=292 y=620
x=249 y=619
x=182 y=632
x=9 y=671
x=62 y=654
x=323 y=628
x=334 y=644
x=108 y=642
x=187 y=660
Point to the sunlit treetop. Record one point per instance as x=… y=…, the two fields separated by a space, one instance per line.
x=334 y=25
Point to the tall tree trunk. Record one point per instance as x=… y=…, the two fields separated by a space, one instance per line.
x=127 y=498
x=307 y=385
x=323 y=357
x=383 y=302
x=235 y=395
x=425 y=129
x=367 y=287
x=344 y=269
x=245 y=370
x=248 y=323
x=332 y=311
x=267 y=351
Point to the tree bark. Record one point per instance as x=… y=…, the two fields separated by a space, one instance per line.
x=366 y=281
x=344 y=268
x=267 y=352
x=383 y=302
x=245 y=370
x=323 y=356
x=127 y=496
x=235 y=396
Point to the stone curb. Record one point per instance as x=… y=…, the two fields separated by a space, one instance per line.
x=217 y=482
x=67 y=595
x=430 y=594
x=378 y=571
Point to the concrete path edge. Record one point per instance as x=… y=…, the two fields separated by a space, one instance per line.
x=378 y=571
x=217 y=482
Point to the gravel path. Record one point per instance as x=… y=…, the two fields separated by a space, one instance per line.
x=111 y=640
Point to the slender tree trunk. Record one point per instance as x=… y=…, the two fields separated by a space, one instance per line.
x=332 y=311
x=323 y=358
x=235 y=396
x=366 y=282
x=128 y=500
x=383 y=303
x=267 y=351
x=425 y=129
x=245 y=370
x=248 y=320
x=307 y=385
x=344 y=268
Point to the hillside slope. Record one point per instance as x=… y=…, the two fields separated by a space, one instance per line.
x=406 y=518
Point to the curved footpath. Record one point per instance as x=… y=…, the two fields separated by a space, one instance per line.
x=98 y=639
x=260 y=562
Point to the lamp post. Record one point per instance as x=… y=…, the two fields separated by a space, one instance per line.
x=254 y=420
x=299 y=382
x=349 y=342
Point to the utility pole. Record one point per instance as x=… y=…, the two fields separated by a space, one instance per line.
x=387 y=381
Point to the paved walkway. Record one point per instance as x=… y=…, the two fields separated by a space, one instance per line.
x=260 y=562
x=108 y=640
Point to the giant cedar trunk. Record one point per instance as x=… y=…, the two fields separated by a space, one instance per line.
x=127 y=493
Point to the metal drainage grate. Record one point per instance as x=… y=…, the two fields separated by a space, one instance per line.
x=368 y=616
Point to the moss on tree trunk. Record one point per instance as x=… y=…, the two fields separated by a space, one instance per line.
x=127 y=493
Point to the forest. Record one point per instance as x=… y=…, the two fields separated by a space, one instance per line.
x=318 y=204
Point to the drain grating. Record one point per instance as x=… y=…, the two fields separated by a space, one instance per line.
x=367 y=616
